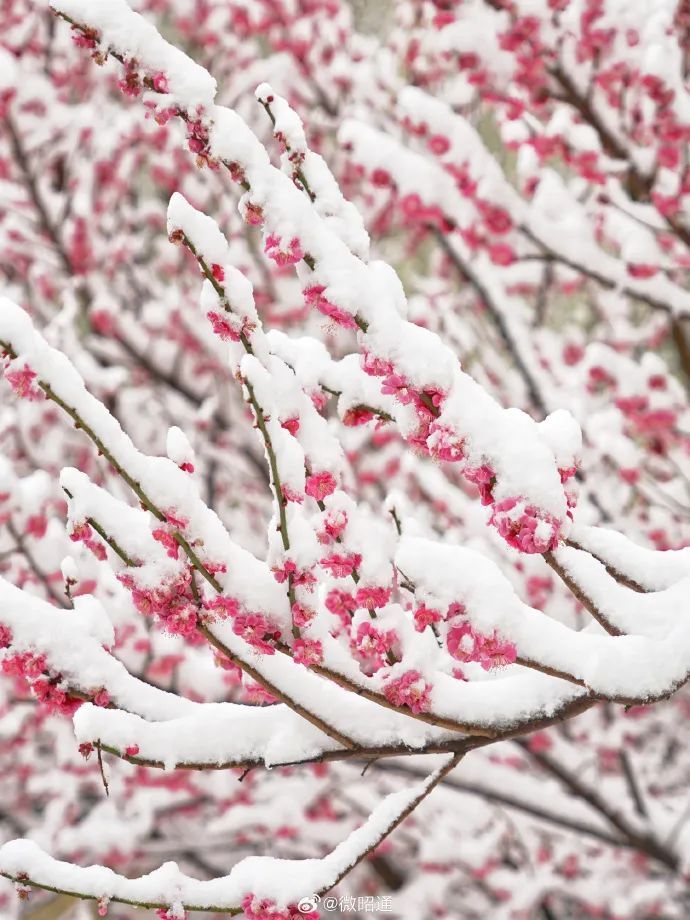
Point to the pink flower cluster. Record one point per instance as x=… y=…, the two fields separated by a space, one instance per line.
x=171 y=601
x=396 y=385
x=83 y=533
x=334 y=524
x=223 y=607
x=198 y=141
x=415 y=211
x=253 y=213
x=84 y=37
x=374 y=644
x=484 y=478
x=538 y=590
x=291 y=424
x=341 y=604
x=466 y=644
x=357 y=415
x=22 y=380
x=302 y=615
x=410 y=690
x=372 y=596
x=307 y=651
x=426 y=616
x=32 y=667
x=531 y=530
x=171 y=913
x=291 y=495
x=599 y=379
x=36 y=525
x=131 y=82
x=524 y=527
x=298 y=577
x=256 y=908
x=314 y=297
x=255 y=628
x=427 y=402
x=445 y=444
x=342 y=565
x=230 y=328
x=166 y=538
x=375 y=366
x=79 y=247
x=320 y=485
x=54 y=698
x=101 y=698
x=223 y=327
x=160 y=83
x=282 y=254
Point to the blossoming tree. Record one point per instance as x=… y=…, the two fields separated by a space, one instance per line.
x=379 y=620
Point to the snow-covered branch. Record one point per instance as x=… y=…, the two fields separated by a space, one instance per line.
x=325 y=512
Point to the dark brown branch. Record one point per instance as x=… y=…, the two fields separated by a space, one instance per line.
x=48 y=227
x=465 y=271
x=56 y=598
x=581 y=596
x=632 y=783
x=646 y=843
x=511 y=801
x=617 y=575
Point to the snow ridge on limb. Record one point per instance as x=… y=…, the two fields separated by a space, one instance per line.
x=302 y=689
x=445 y=412
x=159 y=484
x=280 y=882
x=174 y=502
x=630 y=668
x=63 y=654
x=293 y=235
x=446 y=703
x=311 y=172
x=544 y=220
x=186 y=83
x=651 y=569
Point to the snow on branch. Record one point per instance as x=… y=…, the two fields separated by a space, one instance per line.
x=444 y=411
x=274 y=883
x=647 y=567
x=554 y=220
x=62 y=653
x=173 y=73
x=36 y=369
x=311 y=172
x=631 y=668
x=173 y=501
x=520 y=467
